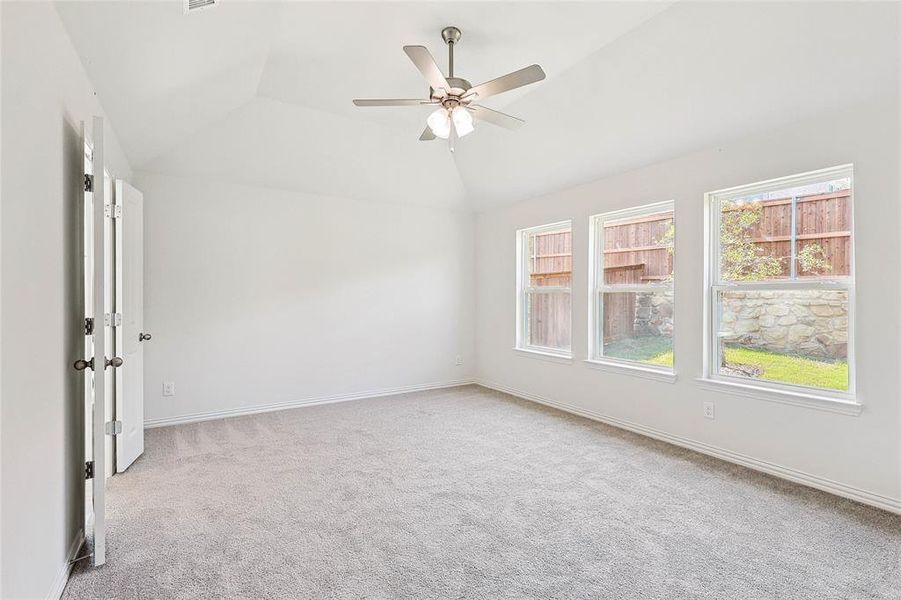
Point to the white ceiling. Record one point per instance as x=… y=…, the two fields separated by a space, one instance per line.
x=260 y=92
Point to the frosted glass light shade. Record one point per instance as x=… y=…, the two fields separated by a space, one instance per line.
x=440 y=124
x=462 y=121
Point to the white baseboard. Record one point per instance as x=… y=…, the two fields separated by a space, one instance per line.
x=59 y=584
x=262 y=408
x=827 y=485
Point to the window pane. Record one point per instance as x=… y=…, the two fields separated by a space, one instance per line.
x=638 y=326
x=639 y=249
x=551 y=258
x=549 y=324
x=788 y=233
x=798 y=336
x=824 y=230
x=547 y=264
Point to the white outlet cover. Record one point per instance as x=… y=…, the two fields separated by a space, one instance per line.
x=168 y=389
x=709 y=410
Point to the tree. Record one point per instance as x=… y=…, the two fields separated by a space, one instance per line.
x=813 y=261
x=740 y=258
x=743 y=260
x=668 y=240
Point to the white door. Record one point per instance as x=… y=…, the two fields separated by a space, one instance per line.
x=109 y=301
x=130 y=336
x=95 y=362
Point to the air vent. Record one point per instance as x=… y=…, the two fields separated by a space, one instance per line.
x=192 y=5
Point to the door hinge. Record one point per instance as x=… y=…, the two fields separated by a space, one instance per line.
x=112 y=320
x=113 y=427
x=112 y=211
x=89 y=469
x=88 y=183
x=89 y=326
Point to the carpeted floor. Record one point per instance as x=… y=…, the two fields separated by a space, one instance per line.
x=468 y=493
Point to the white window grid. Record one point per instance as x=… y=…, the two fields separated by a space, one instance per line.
x=598 y=287
x=715 y=285
x=524 y=290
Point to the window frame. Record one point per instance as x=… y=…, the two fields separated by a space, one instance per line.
x=714 y=285
x=523 y=274
x=597 y=287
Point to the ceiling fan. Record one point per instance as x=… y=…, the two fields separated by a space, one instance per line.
x=456 y=97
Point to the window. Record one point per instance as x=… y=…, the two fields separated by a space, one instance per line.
x=631 y=287
x=544 y=305
x=781 y=284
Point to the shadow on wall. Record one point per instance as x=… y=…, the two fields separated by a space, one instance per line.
x=71 y=199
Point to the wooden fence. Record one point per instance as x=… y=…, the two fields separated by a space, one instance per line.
x=636 y=251
x=823 y=220
x=550 y=265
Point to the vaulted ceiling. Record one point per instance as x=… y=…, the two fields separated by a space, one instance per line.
x=260 y=92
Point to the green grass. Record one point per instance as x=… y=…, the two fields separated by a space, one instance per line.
x=773 y=366
x=796 y=370
x=664 y=358
x=655 y=350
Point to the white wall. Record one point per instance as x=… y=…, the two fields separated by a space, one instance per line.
x=856 y=451
x=1 y=304
x=45 y=96
x=257 y=296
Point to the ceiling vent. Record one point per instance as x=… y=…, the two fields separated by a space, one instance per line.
x=195 y=5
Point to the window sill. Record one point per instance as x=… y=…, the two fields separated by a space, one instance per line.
x=634 y=370
x=812 y=400
x=545 y=355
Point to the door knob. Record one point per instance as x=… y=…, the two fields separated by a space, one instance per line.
x=114 y=362
x=143 y=336
x=82 y=364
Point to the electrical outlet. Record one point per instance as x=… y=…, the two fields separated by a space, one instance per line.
x=459 y=360
x=168 y=388
x=709 y=410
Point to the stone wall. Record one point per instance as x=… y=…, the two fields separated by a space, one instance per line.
x=809 y=323
x=654 y=314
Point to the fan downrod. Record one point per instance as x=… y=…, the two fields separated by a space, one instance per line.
x=451 y=35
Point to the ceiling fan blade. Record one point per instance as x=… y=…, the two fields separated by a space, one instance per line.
x=391 y=102
x=423 y=60
x=507 y=82
x=427 y=134
x=494 y=117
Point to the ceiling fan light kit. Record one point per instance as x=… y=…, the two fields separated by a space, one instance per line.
x=455 y=97
x=441 y=120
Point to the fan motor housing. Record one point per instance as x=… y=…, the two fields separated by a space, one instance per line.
x=459 y=86
x=459 y=83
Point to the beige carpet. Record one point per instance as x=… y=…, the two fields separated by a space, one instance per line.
x=467 y=493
